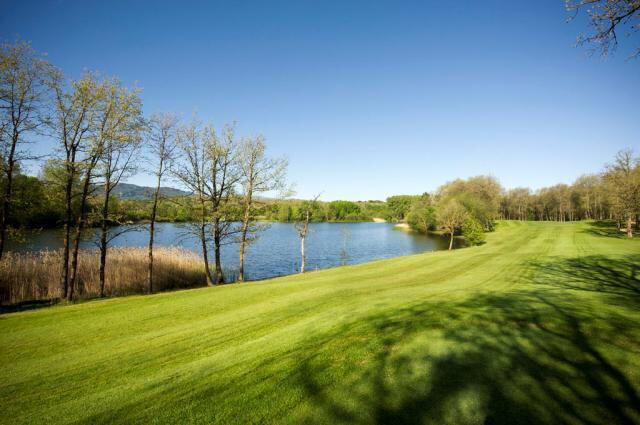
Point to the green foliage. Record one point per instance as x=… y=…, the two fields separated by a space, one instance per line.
x=480 y=196
x=473 y=232
x=451 y=215
x=343 y=211
x=30 y=205
x=335 y=211
x=422 y=215
x=399 y=205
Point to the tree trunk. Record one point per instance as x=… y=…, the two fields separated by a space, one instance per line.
x=219 y=275
x=103 y=234
x=150 y=268
x=74 y=257
x=243 y=237
x=205 y=255
x=76 y=241
x=203 y=241
x=5 y=210
x=241 y=265
x=302 y=254
x=152 y=227
x=6 y=200
x=629 y=227
x=451 y=241
x=64 y=277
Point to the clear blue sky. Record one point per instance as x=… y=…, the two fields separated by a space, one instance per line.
x=365 y=98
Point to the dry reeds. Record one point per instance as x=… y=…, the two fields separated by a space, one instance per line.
x=35 y=276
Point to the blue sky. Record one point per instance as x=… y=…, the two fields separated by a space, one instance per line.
x=366 y=98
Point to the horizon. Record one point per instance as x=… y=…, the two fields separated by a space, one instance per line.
x=366 y=101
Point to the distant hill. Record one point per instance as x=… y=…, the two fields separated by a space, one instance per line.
x=133 y=191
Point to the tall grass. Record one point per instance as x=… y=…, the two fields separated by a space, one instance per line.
x=34 y=276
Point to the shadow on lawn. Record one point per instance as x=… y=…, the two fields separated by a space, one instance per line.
x=607 y=229
x=523 y=357
x=543 y=354
x=606 y=275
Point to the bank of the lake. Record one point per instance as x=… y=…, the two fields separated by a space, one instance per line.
x=538 y=325
x=275 y=253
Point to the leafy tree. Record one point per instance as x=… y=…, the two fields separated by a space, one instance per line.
x=422 y=215
x=451 y=216
x=73 y=122
x=343 y=210
x=399 y=206
x=285 y=212
x=24 y=75
x=120 y=125
x=623 y=178
x=473 y=232
x=480 y=195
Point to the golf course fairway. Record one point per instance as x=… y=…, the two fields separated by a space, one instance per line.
x=539 y=325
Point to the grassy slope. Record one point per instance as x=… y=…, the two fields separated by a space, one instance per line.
x=541 y=324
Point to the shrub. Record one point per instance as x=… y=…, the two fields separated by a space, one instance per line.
x=473 y=232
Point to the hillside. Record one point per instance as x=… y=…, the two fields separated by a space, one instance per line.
x=133 y=191
x=539 y=325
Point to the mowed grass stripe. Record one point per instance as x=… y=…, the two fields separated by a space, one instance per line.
x=234 y=354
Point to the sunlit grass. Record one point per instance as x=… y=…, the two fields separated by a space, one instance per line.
x=539 y=325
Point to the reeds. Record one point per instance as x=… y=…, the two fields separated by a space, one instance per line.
x=35 y=276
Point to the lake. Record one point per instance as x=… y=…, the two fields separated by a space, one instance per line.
x=277 y=251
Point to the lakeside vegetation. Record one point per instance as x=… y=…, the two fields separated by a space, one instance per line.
x=34 y=276
x=538 y=324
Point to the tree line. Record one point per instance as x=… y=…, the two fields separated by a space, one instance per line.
x=613 y=194
x=470 y=207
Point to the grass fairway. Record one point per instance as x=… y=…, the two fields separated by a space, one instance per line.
x=540 y=325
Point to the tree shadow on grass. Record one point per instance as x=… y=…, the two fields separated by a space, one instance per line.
x=537 y=355
x=618 y=277
x=27 y=305
x=607 y=229
x=526 y=357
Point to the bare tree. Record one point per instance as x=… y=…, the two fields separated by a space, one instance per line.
x=223 y=176
x=607 y=16
x=161 y=142
x=23 y=95
x=302 y=225
x=73 y=119
x=208 y=167
x=121 y=124
x=259 y=174
x=192 y=170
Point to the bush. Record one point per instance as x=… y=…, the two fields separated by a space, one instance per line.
x=422 y=216
x=473 y=232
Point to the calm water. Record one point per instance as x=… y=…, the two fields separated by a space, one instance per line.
x=277 y=251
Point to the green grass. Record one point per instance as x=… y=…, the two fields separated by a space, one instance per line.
x=539 y=325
